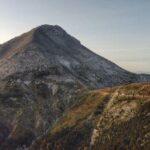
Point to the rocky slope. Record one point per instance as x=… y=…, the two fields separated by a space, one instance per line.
x=29 y=109
x=44 y=73
x=117 y=118
x=50 y=47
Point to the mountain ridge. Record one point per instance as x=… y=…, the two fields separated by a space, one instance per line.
x=100 y=119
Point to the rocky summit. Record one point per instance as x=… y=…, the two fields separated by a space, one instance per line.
x=49 y=97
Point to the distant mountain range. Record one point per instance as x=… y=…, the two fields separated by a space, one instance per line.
x=46 y=74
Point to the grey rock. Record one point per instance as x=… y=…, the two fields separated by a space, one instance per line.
x=47 y=47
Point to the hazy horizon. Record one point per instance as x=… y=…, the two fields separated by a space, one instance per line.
x=116 y=29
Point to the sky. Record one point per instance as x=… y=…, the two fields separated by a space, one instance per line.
x=116 y=29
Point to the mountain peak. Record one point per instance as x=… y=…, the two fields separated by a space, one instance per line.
x=43 y=35
x=41 y=47
x=49 y=46
x=50 y=29
x=53 y=35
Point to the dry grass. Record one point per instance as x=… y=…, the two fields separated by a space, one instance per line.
x=122 y=126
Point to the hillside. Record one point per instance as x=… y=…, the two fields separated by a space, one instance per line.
x=48 y=49
x=51 y=89
x=117 y=118
x=29 y=109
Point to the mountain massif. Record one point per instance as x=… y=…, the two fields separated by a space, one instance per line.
x=50 y=50
x=49 y=97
